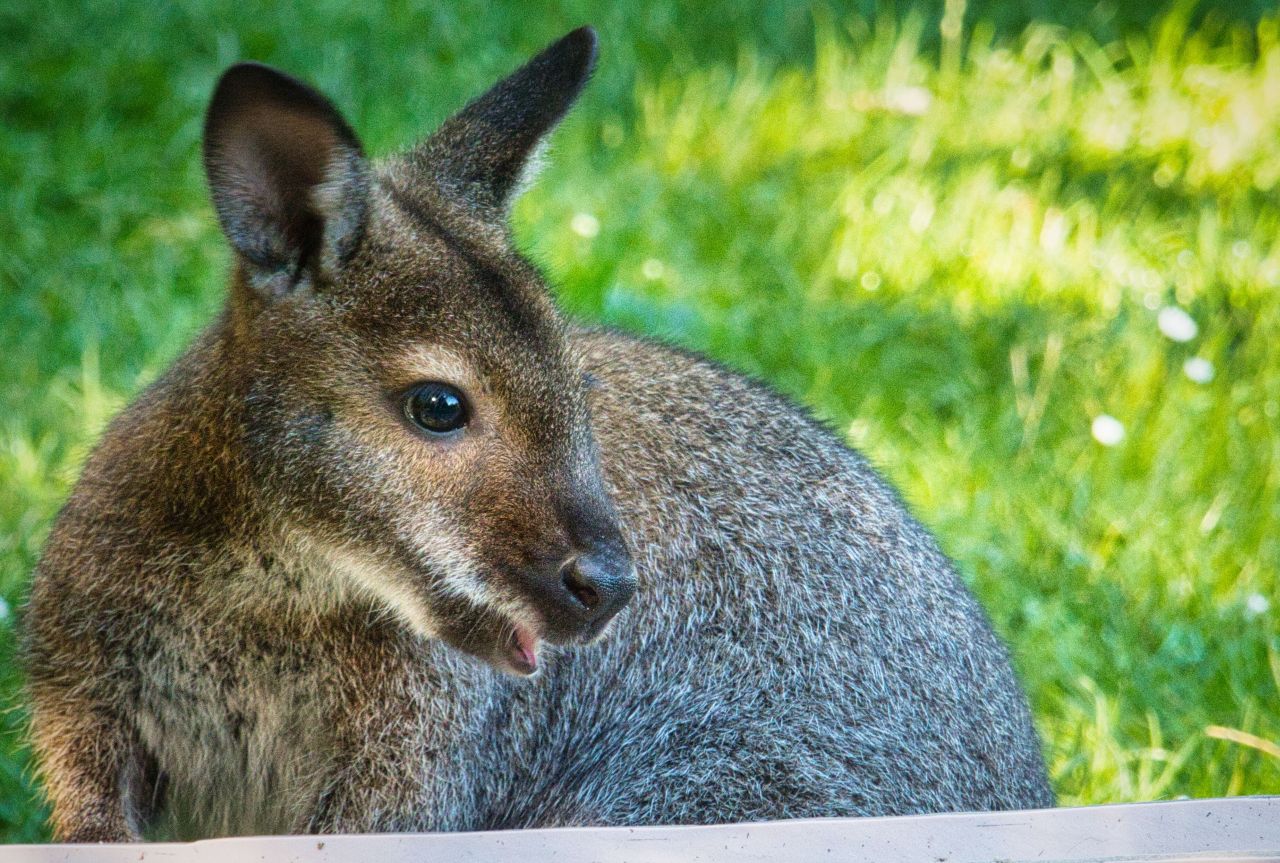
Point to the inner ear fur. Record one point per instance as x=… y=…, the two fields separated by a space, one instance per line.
x=287 y=175
x=482 y=155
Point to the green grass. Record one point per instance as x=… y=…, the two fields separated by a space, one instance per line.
x=948 y=233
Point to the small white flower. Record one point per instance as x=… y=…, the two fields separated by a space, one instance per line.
x=1198 y=369
x=847 y=264
x=1256 y=605
x=1107 y=430
x=652 y=269
x=870 y=281
x=908 y=100
x=1177 y=324
x=585 y=225
x=1054 y=230
x=921 y=216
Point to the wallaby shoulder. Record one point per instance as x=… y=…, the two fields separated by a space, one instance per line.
x=712 y=436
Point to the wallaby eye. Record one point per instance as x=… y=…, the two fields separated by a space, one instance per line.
x=436 y=408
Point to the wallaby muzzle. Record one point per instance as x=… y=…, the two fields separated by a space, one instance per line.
x=575 y=601
x=588 y=577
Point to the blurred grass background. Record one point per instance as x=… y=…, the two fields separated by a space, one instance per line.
x=1026 y=256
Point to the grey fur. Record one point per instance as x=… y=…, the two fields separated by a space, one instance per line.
x=231 y=630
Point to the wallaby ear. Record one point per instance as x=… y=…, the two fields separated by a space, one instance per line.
x=483 y=153
x=287 y=175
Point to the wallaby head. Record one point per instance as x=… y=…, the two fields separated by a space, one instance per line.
x=410 y=403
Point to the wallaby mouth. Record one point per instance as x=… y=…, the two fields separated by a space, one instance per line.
x=504 y=614
x=576 y=607
x=518 y=652
x=521 y=653
x=518 y=649
x=506 y=624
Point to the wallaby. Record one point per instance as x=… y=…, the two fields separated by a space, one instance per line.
x=337 y=569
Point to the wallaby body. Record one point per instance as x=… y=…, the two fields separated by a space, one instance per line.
x=277 y=602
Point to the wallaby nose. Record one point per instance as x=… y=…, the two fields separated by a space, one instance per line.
x=598 y=586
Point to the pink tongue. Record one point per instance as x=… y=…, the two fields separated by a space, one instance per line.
x=528 y=646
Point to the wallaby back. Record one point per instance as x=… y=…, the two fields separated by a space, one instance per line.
x=334 y=570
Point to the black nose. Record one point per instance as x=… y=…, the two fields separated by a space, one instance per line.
x=595 y=587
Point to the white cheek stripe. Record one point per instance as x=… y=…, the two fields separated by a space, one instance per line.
x=468 y=584
x=388 y=587
x=445 y=550
x=383 y=585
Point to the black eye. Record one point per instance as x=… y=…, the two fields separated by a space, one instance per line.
x=435 y=407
